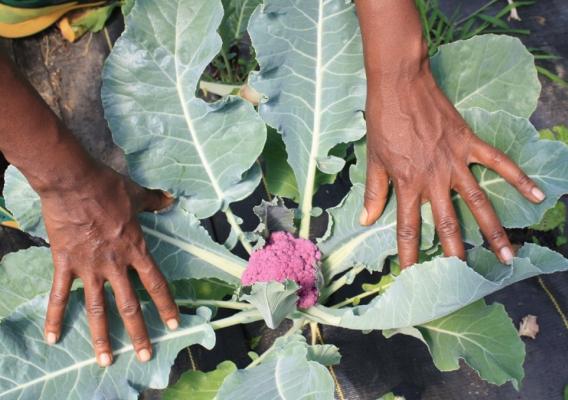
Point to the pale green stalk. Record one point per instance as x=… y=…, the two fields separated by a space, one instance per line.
x=237 y=228
x=232 y=305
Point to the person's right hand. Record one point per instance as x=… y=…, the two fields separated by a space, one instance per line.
x=95 y=236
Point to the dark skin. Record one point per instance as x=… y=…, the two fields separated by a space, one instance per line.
x=90 y=217
x=90 y=210
x=418 y=141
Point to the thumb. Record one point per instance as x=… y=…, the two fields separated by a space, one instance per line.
x=376 y=192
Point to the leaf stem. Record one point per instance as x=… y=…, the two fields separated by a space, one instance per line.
x=360 y=296
x=227 y=64
x=231 y=267
x=264 y=182
x=232 y=305
x=237 y=228
x=243 y=317
x=314 y=333
x=339 y=283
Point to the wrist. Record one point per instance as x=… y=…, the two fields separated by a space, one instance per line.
x=401 y=70
x=59 y=166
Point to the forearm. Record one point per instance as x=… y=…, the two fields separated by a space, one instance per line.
x=34 y=140
x=393 y=43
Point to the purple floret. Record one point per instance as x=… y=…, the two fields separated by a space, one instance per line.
x=286 y=257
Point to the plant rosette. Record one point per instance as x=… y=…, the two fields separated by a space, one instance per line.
x=312 y=85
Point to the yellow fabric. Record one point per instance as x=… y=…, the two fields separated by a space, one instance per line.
x=14 y=15
x=27 y=27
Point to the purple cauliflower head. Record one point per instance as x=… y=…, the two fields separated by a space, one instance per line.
x=286 y=257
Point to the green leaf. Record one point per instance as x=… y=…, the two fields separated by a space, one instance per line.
x=566 y=392
x=553 y=218
x=183 y=248
x=23 y=276
x=91 y=19
x=173 y=140
x=197 y=385
x=23 y=202
x=390 y=396
x=312 y=81
x=493 y=72
x=236 y=19
x=274 y=300
x=278 y=174
x=545 y=161
x=559 y=132
x=434 y=289
x=274 y=216
x=5 y=215
x=296 y=343
x=325 y=354
x=286 y=374
x=126 y=6
x=484 y=336
x=210 y=289
x=31 y=369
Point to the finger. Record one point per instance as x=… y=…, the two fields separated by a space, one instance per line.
x=447 y=225
x=155 y=200
x=487 y=219
x=157 y=287
x=96 y=315
x=376 y=192
x=56 y=305
x=498 y=161
x=131 y=314
x=408 y=228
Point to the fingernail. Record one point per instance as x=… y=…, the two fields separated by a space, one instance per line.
x=104 y=360
x=172 y=324
x=143 y=355
x=51 y=338
x=363 y=217
x=506 y=255
x=168 y=195
x=538 y=194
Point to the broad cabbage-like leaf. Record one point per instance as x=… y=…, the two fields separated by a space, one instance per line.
x=23 y=276
x=431 y=290
x=312 y=79
x=484 y=336
x=31 y=369
x=286 y=374
x=173 y=140
x=274 y=300
x=544 y=161
x=23 y=202
x=493 y=72
x=197 y=385
x=183 y=248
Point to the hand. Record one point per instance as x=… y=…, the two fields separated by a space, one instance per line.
x=95 y=236
x=418 y=140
